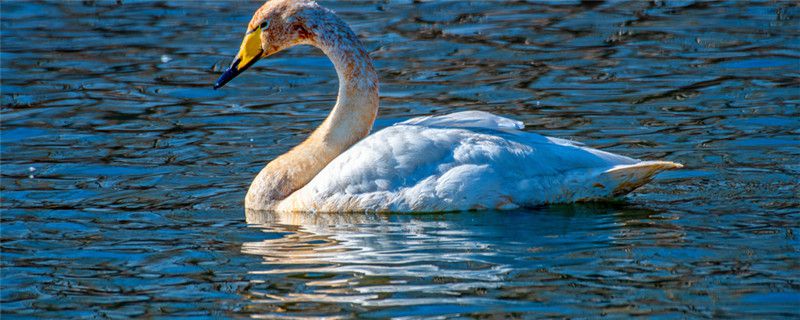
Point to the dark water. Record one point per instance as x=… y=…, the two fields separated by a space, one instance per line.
x=123 y=173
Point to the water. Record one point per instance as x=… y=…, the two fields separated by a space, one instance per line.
x=123 y=173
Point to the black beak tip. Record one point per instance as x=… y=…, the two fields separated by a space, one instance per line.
x=225 y=77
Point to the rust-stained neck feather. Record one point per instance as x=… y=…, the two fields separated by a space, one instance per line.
x=349 y=121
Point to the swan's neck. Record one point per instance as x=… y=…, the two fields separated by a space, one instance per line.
x=357 y=103
x=349 y=121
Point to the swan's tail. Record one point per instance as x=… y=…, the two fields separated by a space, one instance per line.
x=626 y=178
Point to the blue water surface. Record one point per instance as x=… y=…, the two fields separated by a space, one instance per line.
x=123 y=172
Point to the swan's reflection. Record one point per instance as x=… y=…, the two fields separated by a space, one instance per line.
x=371 y=244
x=364 y=258
x=406 y=259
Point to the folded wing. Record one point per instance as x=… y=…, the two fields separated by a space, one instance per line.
x=466 y=160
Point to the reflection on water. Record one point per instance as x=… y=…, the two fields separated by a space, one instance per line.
x=421 y=265
x=123 y=173
x=563 y=260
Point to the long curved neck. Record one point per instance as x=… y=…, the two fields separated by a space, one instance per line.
x=357 y=103
x=349 y=121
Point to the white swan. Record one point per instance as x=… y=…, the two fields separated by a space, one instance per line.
x=462 y=161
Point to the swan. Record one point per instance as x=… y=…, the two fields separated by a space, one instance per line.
x=469 y=160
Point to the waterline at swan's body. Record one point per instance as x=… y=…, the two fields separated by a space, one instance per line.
x=462 y=161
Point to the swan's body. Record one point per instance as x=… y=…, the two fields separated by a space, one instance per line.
x=462 y=161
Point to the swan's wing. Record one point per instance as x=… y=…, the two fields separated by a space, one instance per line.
x=466 y=119
x=421 y=168
x=481 y=120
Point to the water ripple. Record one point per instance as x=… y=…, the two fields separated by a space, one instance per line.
x=123 y=173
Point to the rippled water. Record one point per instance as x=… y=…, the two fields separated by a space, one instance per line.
x=123 y=173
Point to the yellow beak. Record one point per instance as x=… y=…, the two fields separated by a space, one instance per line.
x=249 y=53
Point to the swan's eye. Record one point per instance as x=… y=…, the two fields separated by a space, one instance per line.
x=264 y=25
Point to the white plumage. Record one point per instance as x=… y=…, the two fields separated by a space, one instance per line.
x=464 y=161
x=461 y=161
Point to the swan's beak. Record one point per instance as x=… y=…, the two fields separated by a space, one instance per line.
x=249 y=53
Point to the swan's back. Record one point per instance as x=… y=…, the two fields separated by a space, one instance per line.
x=463 y=161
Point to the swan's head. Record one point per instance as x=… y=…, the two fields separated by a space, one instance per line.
x=277 y=25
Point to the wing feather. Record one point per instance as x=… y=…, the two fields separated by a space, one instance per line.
x=467 y=119
x=460 y=161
